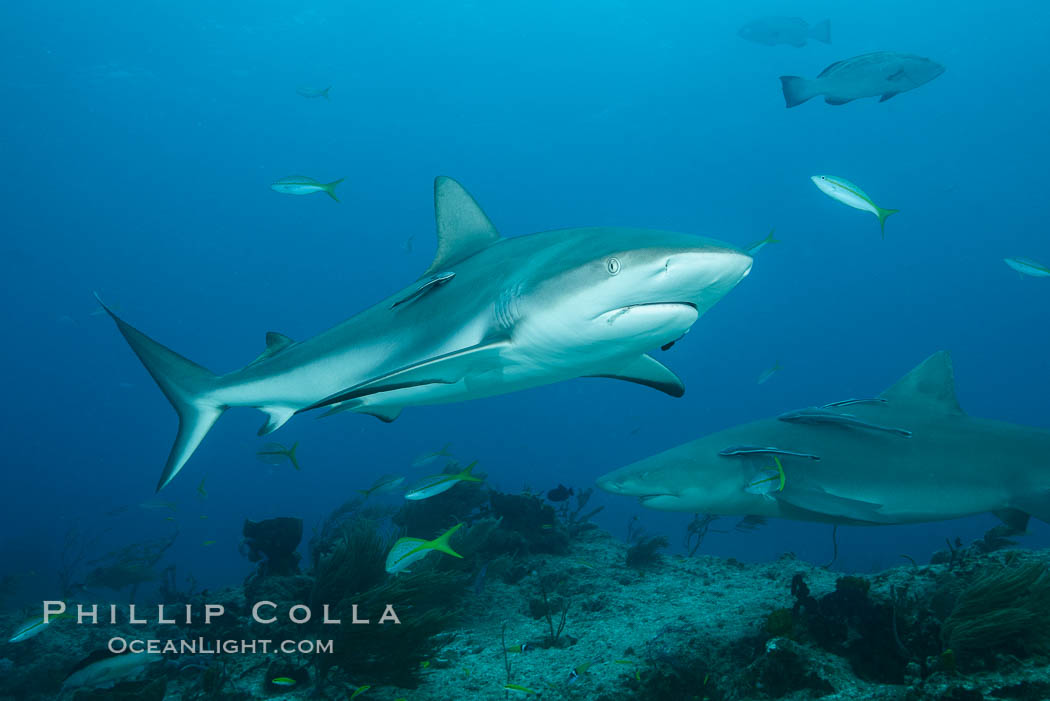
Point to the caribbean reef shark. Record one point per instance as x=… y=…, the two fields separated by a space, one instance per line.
x=908 y=456
x=490 y=315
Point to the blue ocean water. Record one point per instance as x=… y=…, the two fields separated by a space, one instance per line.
x=140 y=141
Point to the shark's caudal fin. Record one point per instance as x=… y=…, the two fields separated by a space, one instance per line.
x=185 y=384
x=931 y=384
x=463 y=228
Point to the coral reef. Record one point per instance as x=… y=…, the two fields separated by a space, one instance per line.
x=272 y=543
x=569 y=612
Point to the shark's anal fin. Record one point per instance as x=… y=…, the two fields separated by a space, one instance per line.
x=427 y=285
x=442 y=369
x=931 y=385
x=645 y=370
x=463 y=228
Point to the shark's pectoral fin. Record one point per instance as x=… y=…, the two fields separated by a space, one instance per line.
x=279 y=415
x=645 y=370
x=818 y=501
x=443 y=369
x=1037 y=504
x=1015 y=519
x=463 y=228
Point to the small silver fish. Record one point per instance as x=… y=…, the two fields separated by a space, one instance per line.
x=1029 y=267
x=302 y=185
x=769 y=372
x=313 y=92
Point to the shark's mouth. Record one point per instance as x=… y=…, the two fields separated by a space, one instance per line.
x=616 y=312
x=650 y=497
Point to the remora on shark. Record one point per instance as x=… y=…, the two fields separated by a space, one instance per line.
x=490 y=315
x=909 y=456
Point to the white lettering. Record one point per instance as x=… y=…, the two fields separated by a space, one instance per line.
x=299 y=607
x=213 y=610
x=353 y=615
x=389 y=615
x=57 y=608
x=81 y=615
x=327 y=620
x=255 y=612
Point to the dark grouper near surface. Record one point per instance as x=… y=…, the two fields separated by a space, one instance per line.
x=567 y=451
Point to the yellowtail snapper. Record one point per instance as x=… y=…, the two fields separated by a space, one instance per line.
x=436 y=484
x=850 y=195
x=407 y=551
x=302 y=185
x=276 y=454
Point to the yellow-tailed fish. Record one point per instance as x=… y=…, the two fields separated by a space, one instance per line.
x=200 y=488
x=34 y=626
x=285 y=682
x=409 y=550
x=308 y=92
x=360 y=690
x=209 y=542
x=302 y=185
x=276 y=454
x=519 y=688
x=1026 y=266
x=852 y=196
x=769 y=372
x=427 y=458
x=386 y=483
x=767 y=481
x=436 y=484
x=757 y=246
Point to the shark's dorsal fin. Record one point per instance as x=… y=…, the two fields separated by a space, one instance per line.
x=463 y=228
x=930 y=384
x=277 y=341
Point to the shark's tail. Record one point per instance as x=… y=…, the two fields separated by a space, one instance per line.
x=185 y=384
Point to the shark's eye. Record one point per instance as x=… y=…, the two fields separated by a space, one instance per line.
x=613 y=265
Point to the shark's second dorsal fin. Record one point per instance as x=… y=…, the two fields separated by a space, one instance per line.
x=463 y=228
x=275 y=343
x=931 y=384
